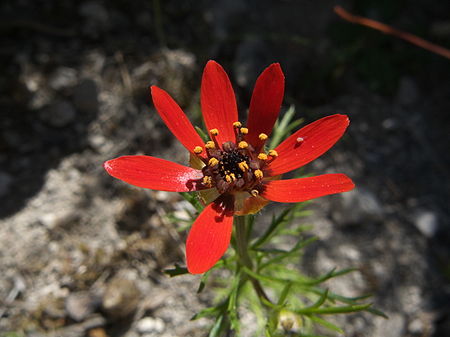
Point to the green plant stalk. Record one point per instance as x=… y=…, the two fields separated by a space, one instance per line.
x=242 y=242
x=244 y=259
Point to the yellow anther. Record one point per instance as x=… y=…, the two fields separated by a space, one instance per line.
x=262 y=156
x=254 y=193
x=233 y=177
x=210 y=145
x=244 y=131
x=258 y=174
x=228 y=178
x=207 y=180
x=237 y=124
x=262 y=136
x=273 y=153
x=198 y=149
x=213 y=162
x=214 y=132
x=243 y=166
x=242 y=145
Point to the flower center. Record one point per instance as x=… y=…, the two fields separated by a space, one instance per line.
x=234 y=166
x=231 y=163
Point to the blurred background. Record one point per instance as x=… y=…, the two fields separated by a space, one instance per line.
x=82 y=254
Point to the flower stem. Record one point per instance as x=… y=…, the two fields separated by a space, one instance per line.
x=244 y=259
x=242 y=242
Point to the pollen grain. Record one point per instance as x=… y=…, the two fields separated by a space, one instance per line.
x=273 y=153
x=258 y=174
x=255 y=193
x=243 y=145
x=210 y=145
x=262 y=156
x=243 y=166
x=207 y=181
x=213 y=162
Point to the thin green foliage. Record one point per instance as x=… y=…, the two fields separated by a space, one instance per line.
x=284 y=127
x=202 y=134
x=295 y=293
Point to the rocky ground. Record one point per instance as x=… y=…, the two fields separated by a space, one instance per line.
x=82 y=254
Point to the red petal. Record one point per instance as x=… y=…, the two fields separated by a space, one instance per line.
x=153 y=173
x=208 y=238
x=175 y=119
x=302 y=189
x=265 y=103
x=308 y=143
x=218 y=102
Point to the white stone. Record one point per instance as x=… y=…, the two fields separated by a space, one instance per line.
x=150 y=324
x=427 y=223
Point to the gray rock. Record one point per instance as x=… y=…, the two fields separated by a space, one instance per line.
x=149 y=325
x=390 y=124
x=92 y=327
x=121 y=297
x=62 y=78
x=426 y=222
x=59 y=114
x=416 y=327
x=60 y=218
x=80 y=305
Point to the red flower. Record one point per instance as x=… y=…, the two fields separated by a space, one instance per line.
x=232 y=170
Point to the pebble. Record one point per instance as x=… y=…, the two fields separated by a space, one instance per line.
x=150 y=324
x=62 y=78
x=97 y=332
x=57 y=219
x=426 y=222
x=162 y=195
x=389 y=124
x=80 y=305
x=415 y=327
x=97 y=141
x=121 y=297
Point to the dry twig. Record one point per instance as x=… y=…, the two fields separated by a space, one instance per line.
x=386 y=29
